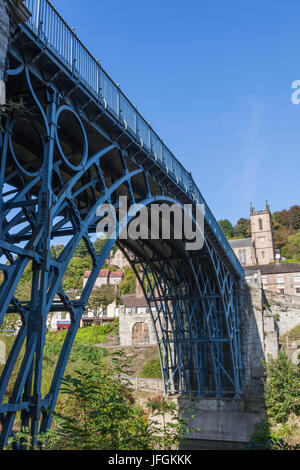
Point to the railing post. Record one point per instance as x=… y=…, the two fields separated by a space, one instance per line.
x=98 y=79
x=38 y=16
x=118 y=103
x=72 y=50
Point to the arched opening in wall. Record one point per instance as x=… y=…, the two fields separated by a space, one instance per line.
x=140 y=333
x=260 y=224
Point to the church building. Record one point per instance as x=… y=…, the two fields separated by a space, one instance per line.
x=259 y=249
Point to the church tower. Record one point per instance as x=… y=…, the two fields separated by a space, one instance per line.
x=262 y=235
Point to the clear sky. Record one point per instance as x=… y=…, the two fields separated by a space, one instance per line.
x=213 y=78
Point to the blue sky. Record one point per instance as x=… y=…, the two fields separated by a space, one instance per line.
x=213 y=77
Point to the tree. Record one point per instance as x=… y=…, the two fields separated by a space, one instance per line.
x=100 y=243
x=55 y=251
x=128 y=284
x=226 y=227
x=100 y=415
x=242 y=229
x=81 y=250
x=102 y=297
x=282 y=391
x=291 y=250
x=73 y=278
x=166 y=427
x=291 y=218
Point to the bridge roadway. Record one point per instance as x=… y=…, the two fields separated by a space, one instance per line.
x=72 y=141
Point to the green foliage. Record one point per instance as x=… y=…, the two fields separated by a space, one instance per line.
x=128 y=284
x=100 y=415
x=81 y=250
x=286 y=228
x=152 y=370
x=226 y=227
x=291 y=250
x=167 y=427
x=55 y=251
x=44 y=441
x=75 y=271
x=282 y=389
x=264 y=438
x=90 y=335
x=102 y=297
x=148 y=282
x=242 y=229
x=261 y=435
x=100 y=243
x=23 y=290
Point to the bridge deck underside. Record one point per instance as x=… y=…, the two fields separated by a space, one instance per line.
x=61 y=158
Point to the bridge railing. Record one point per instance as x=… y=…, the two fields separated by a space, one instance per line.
x=46 y=23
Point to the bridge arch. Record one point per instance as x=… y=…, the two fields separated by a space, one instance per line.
x=196 y=316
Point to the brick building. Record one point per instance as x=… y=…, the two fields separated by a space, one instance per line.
x=283 y=278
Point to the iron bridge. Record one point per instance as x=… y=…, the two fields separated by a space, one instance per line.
x=80 y=143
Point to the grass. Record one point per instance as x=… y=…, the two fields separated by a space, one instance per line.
x=95 y=334
x=82 y=354
x=151 y=370
x=293 y=334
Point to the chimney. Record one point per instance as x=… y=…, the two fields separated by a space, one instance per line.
x=139 y=291
x=277 y=256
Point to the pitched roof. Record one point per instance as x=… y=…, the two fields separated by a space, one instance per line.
x=131 y=300
x=241 y=243
x=281 y=268
x=116 y=274
x=103 y=273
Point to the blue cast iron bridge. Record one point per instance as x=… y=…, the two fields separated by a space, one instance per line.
x=78 y=144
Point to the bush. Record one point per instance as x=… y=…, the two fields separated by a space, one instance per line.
x=261 y=436
x=282 y=390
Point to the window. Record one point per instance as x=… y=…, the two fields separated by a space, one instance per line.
x=297 y=290
x=128 y=310
x=280 y=280
x=104 y=312
x=262 y=239
x=63 y=316
x=297 y=279
x=264 y=280
x=240 y=256
x=260 y=224
x=244 y=257
x=281 y=290
x=141 y=310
